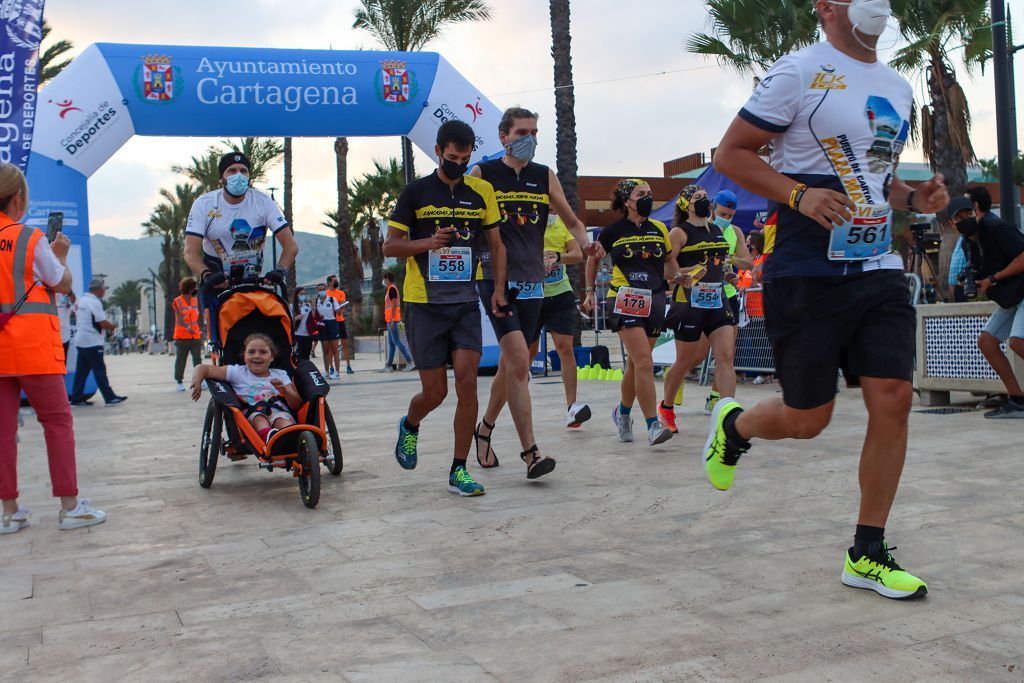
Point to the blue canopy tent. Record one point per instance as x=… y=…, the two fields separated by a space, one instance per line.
x=750 y=207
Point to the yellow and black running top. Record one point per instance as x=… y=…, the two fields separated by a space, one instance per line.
x=638 y=254
x=705 y=246
x=428 y=204
x=523 y=201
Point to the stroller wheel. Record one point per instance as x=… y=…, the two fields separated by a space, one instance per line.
x=309 y=458
x=209 y=448
x=333 y=460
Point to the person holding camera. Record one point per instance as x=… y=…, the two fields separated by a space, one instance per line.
x=1000 y=277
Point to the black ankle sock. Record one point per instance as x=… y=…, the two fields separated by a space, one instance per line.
x=456 y=464
x=665 y=407
x=729 y=425
x=410 y=427
x=1019 y=400
x=867 y=539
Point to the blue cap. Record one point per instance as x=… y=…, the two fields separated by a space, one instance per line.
x=725 y=198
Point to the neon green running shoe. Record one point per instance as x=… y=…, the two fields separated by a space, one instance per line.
x=721 y=453
x=879 y=572
x=405 y=449
x=461 y=483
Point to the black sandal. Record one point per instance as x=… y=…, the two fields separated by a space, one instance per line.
x=487 y=440
x=538 y=465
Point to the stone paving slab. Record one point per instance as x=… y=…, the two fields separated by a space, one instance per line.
x=624 y=565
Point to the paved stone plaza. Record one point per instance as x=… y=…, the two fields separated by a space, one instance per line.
x=624 y=565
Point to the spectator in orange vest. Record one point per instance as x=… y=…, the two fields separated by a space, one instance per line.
x=338 y=295
x=187 y=337
x=32 y=357
x=392 y=317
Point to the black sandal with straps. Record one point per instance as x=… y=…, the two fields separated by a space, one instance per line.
x=538 y=465
x=487 y=440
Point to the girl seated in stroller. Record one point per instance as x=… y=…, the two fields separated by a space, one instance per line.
x=268 y=393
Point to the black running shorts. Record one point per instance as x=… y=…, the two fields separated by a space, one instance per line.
x=342 y=330
x=436 y=330
x=862 y=323
x=525 y=315
x=329 y=331
x=689 y=323
x=558 y=313
x=654 y=324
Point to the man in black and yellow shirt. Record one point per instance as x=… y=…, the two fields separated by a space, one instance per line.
x=437 y=226
x=525 y=191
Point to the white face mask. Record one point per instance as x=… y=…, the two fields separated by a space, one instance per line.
x=870 y=17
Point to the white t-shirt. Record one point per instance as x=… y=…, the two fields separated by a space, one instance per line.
x=328 y=307
x=841 y=124
x=301 y=315
x=88 y=310
x=233 y=234
x=253 y=389
x=64 y=315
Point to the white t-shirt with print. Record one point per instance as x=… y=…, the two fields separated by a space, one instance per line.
x=253 y=389
x=301 y=315
x=841 y=124
x=235 y=233
x=327 y=307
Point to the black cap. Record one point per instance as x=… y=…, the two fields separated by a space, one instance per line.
x=958 y=204
x=232 y=158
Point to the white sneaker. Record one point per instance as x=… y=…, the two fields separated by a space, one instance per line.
x=623 y=424
x=10 y=524
x=81 y=516
x=578 y=414
x=656 y=434
x=180 y=387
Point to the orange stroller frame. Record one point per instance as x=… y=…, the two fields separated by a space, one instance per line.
x=298 y=448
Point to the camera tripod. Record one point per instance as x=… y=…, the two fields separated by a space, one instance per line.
x=925 y=266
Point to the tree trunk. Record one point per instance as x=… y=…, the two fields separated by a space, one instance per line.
x=946 y=158
x=565 y=125
x=288 y=203
x=408 y=161
x=350 y=269
x=167 y=267
x=376 y=258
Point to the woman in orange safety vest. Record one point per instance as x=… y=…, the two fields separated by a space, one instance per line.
x=187 y=338
x=32 y=272
x=393 y=316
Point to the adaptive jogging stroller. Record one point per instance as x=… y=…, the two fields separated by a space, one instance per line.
x=300 y=448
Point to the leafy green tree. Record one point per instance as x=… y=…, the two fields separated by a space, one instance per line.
x=127 y=296
x=990 y=167
x=372 y=198
x=408 y=25
x=168 y=221
x=203 y=170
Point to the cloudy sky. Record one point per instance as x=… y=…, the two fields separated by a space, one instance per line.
x=630 y=116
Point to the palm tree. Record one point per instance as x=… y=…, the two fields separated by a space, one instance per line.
x=288 y=201
x=50 y=62
x=751 y=35
x=168 y=221
x=203 y=170
x=372 y=198
x=350 y=270
x=408 y=25
x=127 y=296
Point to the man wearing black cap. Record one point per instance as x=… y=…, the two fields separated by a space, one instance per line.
x=227 y=228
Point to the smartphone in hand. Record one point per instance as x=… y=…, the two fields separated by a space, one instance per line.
x=54 y=223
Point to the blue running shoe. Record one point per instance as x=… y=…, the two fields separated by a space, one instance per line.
x=461 y=483
x=405 y=449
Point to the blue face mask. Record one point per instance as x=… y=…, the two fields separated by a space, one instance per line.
x=237 y=184
x=723 y=223
x=302 y=298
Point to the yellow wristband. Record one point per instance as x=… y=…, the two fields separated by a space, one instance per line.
x=795 y=193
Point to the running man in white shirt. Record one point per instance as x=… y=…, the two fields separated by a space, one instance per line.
x=834 y=295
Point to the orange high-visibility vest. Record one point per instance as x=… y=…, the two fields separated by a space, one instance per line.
x=392 y=307
x=30 y=341
x=340 y=297
x=186 y=317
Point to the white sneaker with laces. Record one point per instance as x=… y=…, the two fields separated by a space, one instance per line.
x=623 y=424
x=83 y=515
x=17 y=521
x=180 y=387
x=657 y=434
x=578 y=414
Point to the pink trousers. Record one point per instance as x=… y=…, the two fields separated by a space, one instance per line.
x=49 y=398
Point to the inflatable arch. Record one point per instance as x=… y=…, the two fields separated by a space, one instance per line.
x=111 y=92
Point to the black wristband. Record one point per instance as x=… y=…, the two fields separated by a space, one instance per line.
x=910 y=200
x=796 y=200
x=558 y=257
